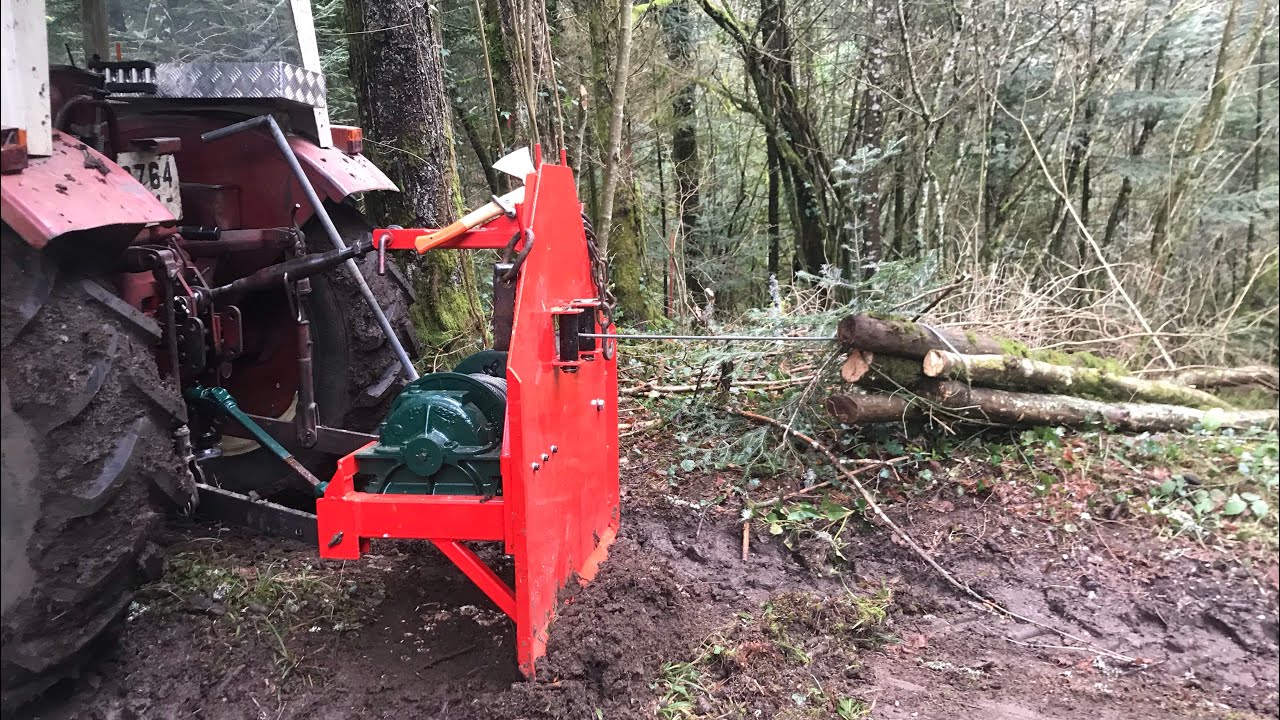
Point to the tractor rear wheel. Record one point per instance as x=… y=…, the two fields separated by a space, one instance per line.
x=88 y=463
x=356 y=373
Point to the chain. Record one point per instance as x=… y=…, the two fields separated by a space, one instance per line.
x=599 y=272
x=600 y=276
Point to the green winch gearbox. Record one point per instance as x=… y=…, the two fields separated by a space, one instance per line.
x=443 y=436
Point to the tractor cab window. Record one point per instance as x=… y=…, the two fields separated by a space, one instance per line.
x=181 y=31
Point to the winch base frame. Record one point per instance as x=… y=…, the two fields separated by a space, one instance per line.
x=558 y=513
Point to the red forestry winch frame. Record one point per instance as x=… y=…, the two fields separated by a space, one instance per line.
x=558 y=509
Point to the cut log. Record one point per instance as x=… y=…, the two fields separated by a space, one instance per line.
x=1012 y=408
x=908 y=339
x=856 y=365
x=1015 y=373
x=1267 y=377
x=871 y=409
x=881 y=372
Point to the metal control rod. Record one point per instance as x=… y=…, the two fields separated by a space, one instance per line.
x=721 y=338
x=283 y=144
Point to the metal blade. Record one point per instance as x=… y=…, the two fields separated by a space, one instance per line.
x=266 y=517
x=518 y=164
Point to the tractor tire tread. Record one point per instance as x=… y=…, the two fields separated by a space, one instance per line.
x=83 y=446
x=373 y=370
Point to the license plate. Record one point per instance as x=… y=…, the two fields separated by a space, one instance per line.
x=157 y=173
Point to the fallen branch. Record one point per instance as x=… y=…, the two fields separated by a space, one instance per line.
x=870 y=465
x=1015 y=373
x=1267 y=377
x=910 y=542
x=635 y=428
x=1002 y=407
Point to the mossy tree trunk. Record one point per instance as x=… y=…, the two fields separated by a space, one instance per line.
x=952 y=402
x=638 y=301
x=878 y=371
x=1015 y=373
x=404 y=109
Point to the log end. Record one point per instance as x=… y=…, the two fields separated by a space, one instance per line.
x=856 y=366
x=933 y=364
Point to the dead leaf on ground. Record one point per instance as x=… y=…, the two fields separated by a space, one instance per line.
x=917 y=641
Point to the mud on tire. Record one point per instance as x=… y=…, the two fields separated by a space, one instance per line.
x=88 y=463
x=351 y=351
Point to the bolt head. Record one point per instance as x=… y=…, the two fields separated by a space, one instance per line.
x=535 y=466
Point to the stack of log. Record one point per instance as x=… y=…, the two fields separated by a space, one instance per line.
x=905 y=370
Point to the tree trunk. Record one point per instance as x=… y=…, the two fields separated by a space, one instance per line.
x=908 y=339
x=774 y=212
x=1225 y=71
x=820 y=206
x=677 y=33
x=637 y=306
x=400 y=93
x=613 y=149
x=1015 y=373
x=872 y=246
x=528 y=53
x=871 y=409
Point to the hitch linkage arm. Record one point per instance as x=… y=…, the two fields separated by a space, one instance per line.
x=220 y=399
x=291 y=270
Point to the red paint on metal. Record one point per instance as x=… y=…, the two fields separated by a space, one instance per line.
x=336 y=174
x=482 y=575
x=559 y=510
x=251 y=162
x=243 y=182
x=567 y=510
x=346 y=519
x=75 y=188
x=492 y=236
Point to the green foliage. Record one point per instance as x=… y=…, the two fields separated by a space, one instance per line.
x=330 y=19
x=1222 y=482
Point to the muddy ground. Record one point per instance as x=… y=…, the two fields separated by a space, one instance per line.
x=677 y=625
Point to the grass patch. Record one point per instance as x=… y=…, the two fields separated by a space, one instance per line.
x=268 y=602
x=796 y=658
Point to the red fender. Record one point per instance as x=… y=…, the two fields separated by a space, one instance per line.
x=335 y=174
x=68 y=191
x=76 y=188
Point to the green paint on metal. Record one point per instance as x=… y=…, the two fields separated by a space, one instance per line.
x=222 y=400
x=443 y=436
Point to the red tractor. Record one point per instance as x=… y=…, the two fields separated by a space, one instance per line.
x=190 y=296
x=142 y=256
